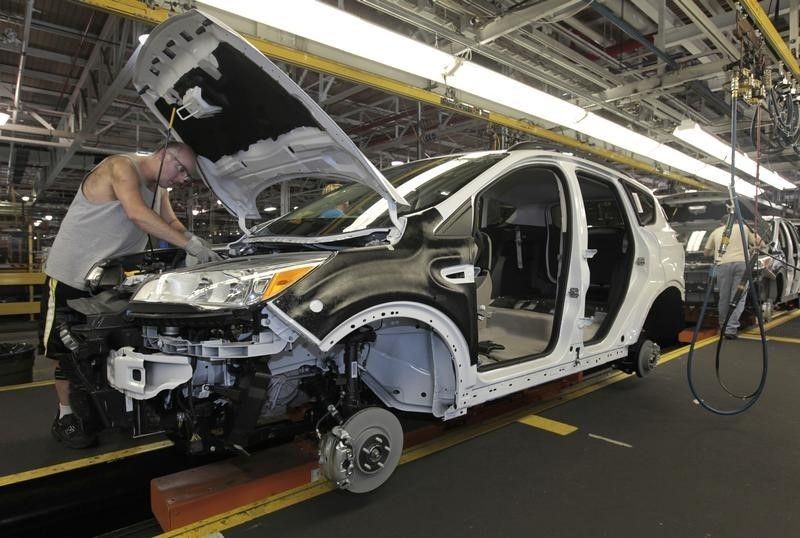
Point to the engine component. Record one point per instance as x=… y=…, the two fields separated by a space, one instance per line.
x=264 y=343
x=141 y=376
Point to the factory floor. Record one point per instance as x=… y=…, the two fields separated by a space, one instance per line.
x=628 y=457
x=644 y=460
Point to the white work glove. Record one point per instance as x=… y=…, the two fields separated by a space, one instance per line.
x=196 y=247
x=188 y=235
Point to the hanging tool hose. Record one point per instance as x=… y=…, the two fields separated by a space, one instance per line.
x=745 y=286
x=160 y=168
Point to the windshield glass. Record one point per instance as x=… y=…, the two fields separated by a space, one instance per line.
x=356 y=207
x=694 y=235
x=695 y=211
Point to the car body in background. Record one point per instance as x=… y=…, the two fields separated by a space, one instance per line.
x=695 y=215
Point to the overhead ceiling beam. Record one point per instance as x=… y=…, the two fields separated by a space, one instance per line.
x=310 y=58
x=522 y=17
x=34 y=75
x=49 y=55
x=94 y=58
x=567 y=58
x=669 y=80
x=698 y=87
x=500 y=55
x=341 y=96
x=726 y=21
x=654 y=9
x=693 y=11
x=109 y=94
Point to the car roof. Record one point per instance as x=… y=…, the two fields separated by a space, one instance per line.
x=530 y=149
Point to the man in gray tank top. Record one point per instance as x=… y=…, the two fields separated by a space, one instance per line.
x=110 y=216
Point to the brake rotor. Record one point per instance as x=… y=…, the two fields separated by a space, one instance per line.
x=376 y=438
x=649 y=353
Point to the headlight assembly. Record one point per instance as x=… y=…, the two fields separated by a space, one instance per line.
x=238 y=286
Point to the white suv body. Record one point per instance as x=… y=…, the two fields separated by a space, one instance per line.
x=446 y=283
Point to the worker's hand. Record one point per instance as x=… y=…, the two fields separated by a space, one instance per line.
x=203 y=253
x=188 y=235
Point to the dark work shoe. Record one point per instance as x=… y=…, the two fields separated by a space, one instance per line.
x=69 y=430
x=731 y=336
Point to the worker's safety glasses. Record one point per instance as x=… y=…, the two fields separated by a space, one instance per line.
x=182 y=168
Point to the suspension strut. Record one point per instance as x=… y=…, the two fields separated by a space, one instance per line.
x=352 y=350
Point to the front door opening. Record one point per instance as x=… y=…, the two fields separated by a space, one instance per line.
x=521 y=236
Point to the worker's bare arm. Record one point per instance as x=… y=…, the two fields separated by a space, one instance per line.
x=125 y=184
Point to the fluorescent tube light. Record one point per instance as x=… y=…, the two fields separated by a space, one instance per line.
x=694 y=135
x=335 y=28
x=603 y=129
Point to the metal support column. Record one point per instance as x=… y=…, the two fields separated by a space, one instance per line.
x=26 y=33
x=420 y=131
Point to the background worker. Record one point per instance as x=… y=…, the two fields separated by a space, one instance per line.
x=110 y=216
x=730 y=270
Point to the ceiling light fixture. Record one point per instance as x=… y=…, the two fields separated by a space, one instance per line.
x=4 y=117
x=694 y=135
x=335 y=28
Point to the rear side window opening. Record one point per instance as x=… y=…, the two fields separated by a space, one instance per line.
x=644 y=206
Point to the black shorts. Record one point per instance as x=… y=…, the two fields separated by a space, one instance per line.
x=54 y=312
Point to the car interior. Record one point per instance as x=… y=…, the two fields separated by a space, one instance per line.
x=610 y=266
x=521 y=237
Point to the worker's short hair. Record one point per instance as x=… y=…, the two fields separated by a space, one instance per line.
x=176 y=146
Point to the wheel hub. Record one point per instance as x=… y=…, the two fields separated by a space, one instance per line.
x=374 y=453
x=649 y=353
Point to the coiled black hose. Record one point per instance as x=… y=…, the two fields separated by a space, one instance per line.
x=745 y=286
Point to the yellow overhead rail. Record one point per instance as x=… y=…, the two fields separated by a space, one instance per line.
x=138 y=10
x=770 y=33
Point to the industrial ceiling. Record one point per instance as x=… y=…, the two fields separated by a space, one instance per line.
x=645 y=64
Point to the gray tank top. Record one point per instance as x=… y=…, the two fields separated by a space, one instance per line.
x=91 y=232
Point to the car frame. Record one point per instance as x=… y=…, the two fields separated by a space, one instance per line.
x=433 y=310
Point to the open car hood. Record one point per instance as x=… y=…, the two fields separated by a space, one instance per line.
x=249 y=123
